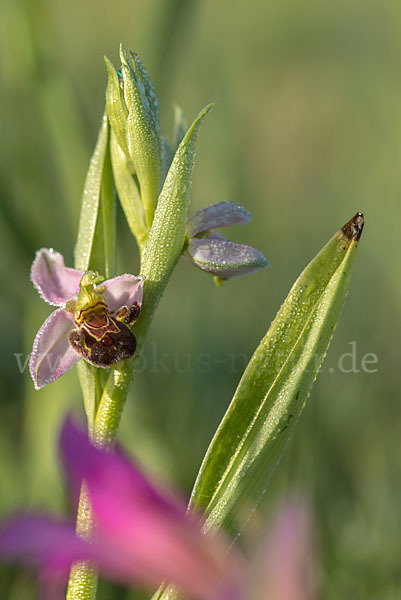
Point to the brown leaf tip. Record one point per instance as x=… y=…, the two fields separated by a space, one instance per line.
x=353 y=229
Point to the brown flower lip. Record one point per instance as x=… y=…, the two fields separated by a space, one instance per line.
x=353 y=228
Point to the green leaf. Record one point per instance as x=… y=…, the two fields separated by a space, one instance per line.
x=103 y=256
x=167 y=236
x=117 y=110
x=143 y=131
x=89 y=252
x=272 y=392
x=128 y=194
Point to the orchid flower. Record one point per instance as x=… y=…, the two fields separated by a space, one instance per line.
x=90 y=321
x=212 y=252
x=143 y=535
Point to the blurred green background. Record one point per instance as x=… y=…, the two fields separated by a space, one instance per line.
x=306 y=131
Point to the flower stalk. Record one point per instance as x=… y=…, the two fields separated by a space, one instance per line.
x=83 y=580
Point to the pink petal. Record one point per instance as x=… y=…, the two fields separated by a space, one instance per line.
x=51 y=353
x=55 y=282
x=49 y=544
x=123 y=290
x=222 y=214
x=43 y=541
x=148 y=534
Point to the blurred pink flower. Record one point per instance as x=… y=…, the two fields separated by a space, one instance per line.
x=143 y=535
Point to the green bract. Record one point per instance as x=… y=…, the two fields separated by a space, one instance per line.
x=167 y=236
x=117 y=111
x=142 y=130
x=137 y=148
x=96 y=244
x=128 y=194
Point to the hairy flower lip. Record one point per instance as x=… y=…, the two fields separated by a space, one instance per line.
x=58 y=285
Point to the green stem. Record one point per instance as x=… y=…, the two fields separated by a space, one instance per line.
x=112 y=404
x=82 y=584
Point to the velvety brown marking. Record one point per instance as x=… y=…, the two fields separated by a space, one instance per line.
x=111 y=349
